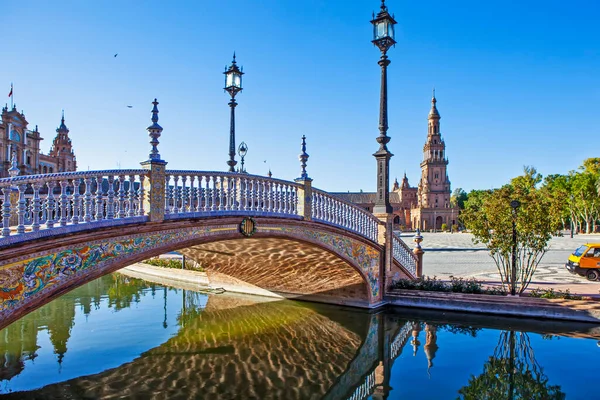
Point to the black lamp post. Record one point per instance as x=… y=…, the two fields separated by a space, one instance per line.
x=383 y=38
x=242 y=151
x=233 y=85
x=513 y=276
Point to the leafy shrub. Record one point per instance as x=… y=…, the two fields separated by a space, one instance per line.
x=554 y=294
x=173 y=263
x=456 y=285
x=444 y=227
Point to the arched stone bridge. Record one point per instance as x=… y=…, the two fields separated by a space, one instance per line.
x=62 y=230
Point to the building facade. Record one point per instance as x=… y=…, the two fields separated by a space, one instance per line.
x=426 y=206
x=18 y=140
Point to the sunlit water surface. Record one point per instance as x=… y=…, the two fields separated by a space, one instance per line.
x=119 y=337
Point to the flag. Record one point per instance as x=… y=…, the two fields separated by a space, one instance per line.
x=11 y=90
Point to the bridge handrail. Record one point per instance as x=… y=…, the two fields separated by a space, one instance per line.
x=53 y=201
x=38 y=178
x=190 y=192
x=332 y=210
x=404 y=255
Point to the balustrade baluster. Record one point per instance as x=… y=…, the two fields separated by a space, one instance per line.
x=234 y=190
x=35 y=226
x=183 y=194
x=176 y=194
x=213 y=204
x=99 y=198
x=278 y=205
x=191 y=194
x=49 y=205
x=6 y=211
x=286 y=199
x=76 y=201
x=252 y=194
x=220 y=194
x=141 y=196
x=202 y=197
x=244 y=194
x=227 y=193
x=263 y=196
x=56 y=211
x=121 y=197
x=21 y=209
x=110 y=205
x=131 y=199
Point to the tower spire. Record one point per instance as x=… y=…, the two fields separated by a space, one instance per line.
x=433 y=113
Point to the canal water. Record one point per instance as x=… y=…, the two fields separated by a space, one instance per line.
x=119 y=337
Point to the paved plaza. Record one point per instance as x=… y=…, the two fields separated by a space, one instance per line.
x=455 y=254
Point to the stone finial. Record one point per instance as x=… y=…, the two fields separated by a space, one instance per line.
x=13 y=170
x=270 y=173
x=154 y=132
x=303 y=157
x=418 y=239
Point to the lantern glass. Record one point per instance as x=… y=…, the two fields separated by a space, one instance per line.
x=384 y=28
x=233 y=79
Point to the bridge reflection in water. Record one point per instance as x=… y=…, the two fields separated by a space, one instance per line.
x=221 y=346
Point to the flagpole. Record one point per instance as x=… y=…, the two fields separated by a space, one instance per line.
x=12 y=95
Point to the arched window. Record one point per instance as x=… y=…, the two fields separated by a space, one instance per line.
x=50 y=169
x=45 y=169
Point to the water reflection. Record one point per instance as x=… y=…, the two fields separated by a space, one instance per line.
x=124 y=337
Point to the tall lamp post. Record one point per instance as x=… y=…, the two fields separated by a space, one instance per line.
x=513 y=275
x=383 y=38
x=242 y=151
x=233 y=85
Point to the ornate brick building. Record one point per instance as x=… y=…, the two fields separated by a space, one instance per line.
x=426 y=206
x=17 y=139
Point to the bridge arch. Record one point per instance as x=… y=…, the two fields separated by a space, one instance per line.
x=35 y=272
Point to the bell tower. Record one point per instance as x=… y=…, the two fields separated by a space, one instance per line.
x=434 y=188
x=62 y=149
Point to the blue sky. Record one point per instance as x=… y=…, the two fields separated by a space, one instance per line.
x=517 y=83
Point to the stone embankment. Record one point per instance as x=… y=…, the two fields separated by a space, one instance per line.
x=561 y=309
x=558 y=309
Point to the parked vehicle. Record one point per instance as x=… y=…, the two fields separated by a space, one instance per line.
x=585 y=261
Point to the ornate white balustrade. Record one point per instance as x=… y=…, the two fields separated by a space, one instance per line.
x=404 y=255
x=334 y=211
x=36 y=204
x=400 y=340
x=194 y=193
x=365 y=389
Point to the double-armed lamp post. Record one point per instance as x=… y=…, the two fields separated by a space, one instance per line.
x=233 y=85
x=383 y=38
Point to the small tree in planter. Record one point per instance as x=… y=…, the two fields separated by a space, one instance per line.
x=489 y=216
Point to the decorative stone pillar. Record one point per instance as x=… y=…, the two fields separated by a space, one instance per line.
x=418 y=251
x=154 y=185
x=305 y=191
x=384 y=238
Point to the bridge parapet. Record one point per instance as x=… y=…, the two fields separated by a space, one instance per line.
x=332 y=210
x=38 y=205
x=198 y=193
x=47 y=204
x=404 y=255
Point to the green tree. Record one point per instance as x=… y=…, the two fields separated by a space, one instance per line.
x=489 y=216
x=511 y=373
x=458 y=198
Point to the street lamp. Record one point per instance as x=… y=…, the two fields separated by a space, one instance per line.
x=513 y=278
x=233 y=85
x=242 y=151
x=383 y=38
